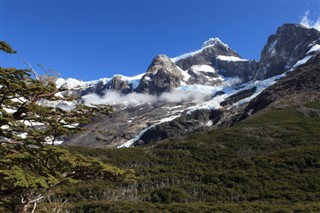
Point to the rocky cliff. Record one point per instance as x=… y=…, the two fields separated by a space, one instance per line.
x=162 y=76
x=285 y=48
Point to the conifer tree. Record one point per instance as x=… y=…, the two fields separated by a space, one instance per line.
x=29 y=166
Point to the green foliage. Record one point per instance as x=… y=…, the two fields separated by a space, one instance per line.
x=29 y=167
x=314 y=104
x=245 y=207
x=6 y=47
x=169 y=195
x=268 y=163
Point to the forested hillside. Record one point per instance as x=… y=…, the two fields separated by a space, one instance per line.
x=268 y=163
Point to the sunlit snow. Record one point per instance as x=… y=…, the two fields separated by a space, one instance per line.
x=314 y=48
x=302 y=61
x=209 y=43
x=130 y=142
x=230 y=58
x=69 y=83
x=202 y=68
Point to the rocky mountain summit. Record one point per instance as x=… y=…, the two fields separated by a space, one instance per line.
x=285 y=48
x=209 y=88
x=206 y=55
x=162 y=76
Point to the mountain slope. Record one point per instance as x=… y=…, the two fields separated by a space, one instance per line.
x=298 y=87
x=267 y=163
x=198 y=91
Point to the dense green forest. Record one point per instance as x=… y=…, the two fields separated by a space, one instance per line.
x=268 y=163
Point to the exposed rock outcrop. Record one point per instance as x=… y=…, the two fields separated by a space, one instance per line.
x=115 y=84
x=288 y=45
x=204 y=75
x=301 y=85
x=244 y=69
x=162 y=76
x=238 y=96
x=198 y=120
x=118 y=84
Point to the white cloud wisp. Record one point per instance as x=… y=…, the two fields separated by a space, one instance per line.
x=305 y=21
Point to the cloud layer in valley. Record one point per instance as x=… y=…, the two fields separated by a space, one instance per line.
x=196 y=93
x=132 y=99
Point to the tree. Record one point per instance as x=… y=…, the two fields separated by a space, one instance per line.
x=29 y=163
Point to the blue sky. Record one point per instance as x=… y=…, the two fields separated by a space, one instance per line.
x=94 y=39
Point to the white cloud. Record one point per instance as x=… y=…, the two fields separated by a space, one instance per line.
x=177 y=96
x=305 y=21
x=114 y=98
x=133 y=99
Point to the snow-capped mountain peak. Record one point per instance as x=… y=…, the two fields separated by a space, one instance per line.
x=212 y=42
x=179 y=95
x=69 y=83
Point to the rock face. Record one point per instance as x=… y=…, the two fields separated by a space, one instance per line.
x=243 y=69
x=301 y=85
x=162 y=76
x=220 y=57
x=207 y=55
x=124 y=124
x=115 y=84
x=118 y=84
x=288 y=45
x=238 y=96
x=98 y=89
x=199 y=120
x=204 y=75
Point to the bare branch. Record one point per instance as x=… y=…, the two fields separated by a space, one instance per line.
x=30 y=67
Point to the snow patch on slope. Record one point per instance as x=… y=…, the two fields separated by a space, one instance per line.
x=185 y=75
x=302 y=61
x=314 y=48
x=186 y=55
x=228 y=90
x=230 y=58
x=202 y=68
x=133 y=140
x=271 y=49
x=134 y=80
x=260 y=85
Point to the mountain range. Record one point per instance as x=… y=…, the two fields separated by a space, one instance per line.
x=210 y=88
